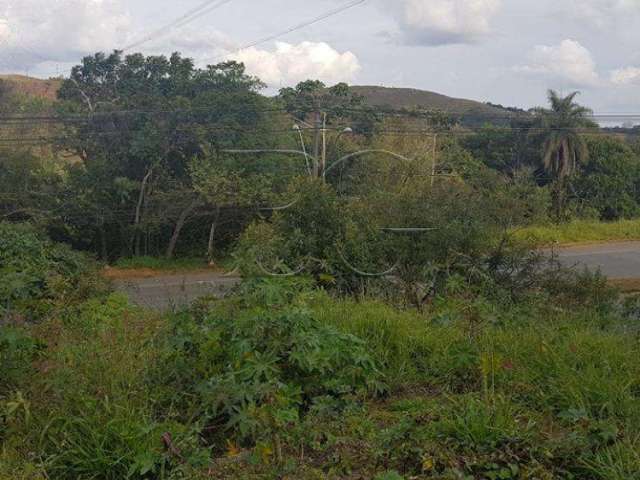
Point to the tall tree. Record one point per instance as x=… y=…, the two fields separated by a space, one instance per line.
x=564 y=149
x=143 y=120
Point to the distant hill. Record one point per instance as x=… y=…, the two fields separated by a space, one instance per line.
x=32 y=87
x=470 y=111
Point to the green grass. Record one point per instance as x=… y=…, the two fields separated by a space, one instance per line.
x=544 y=392
x=580 y=231
x=161 y=264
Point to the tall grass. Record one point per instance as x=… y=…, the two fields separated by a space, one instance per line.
x=581 y=231
x=473 y=392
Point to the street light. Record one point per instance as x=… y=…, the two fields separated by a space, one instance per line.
x=344 y=131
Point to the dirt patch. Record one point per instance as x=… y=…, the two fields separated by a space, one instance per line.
x=627 y=285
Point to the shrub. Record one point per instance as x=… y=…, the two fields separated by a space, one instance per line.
x=257 y=371
x=36 y=274
x=91 y=411
x=421 y=236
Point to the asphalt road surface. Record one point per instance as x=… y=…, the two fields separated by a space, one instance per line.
x=175 y=292
x=618 y=261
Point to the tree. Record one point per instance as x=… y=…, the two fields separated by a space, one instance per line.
x=141 y=122
x=563 y=148
x=609 y=184
x=506 y=149
x=223 y=183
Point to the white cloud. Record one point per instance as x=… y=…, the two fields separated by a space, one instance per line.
x=290 y=64
x=626 y=76
x=191 y=42
x=568 y=61
x=440 y=22
x=603 y=13
x=35 y=31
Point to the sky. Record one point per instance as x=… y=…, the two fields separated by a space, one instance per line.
x=503 y=51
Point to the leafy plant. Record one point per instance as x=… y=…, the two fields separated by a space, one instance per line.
x=36 y=273
x=260 y=370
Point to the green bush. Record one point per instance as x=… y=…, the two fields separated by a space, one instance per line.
x=422 y=236
x=258 y=370
x=36 y=273
x=608 y=183
x=89 y=408
x=279 y=381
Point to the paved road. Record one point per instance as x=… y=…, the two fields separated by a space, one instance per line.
x=619 y=261
x=616 y=260
x=174 y=292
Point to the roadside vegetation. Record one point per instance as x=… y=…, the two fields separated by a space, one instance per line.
x=154 y=168
x=394 y=320
x=581 y=231
x=160 y=264
x=285 y=380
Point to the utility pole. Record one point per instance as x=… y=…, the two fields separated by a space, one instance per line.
x=323 y=165
x=434 y=160
x=316 y=149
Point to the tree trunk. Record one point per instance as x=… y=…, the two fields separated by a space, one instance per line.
x=138 y=217
x=212 y=233
x=184 y=215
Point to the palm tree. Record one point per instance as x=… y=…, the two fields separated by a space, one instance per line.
x=563 y=149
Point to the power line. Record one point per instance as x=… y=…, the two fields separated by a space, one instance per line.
x=44 y=141
x=192 y=15
x=292 y=29
x=426 y=114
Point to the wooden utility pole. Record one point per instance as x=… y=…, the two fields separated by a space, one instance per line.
x=434 y=159
x=316 y=149
x=323 y=164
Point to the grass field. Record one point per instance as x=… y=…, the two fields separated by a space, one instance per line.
x=581 y=232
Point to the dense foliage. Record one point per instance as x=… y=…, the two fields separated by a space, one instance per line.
x=143 y=164
x=37 y=274
x=283 y=381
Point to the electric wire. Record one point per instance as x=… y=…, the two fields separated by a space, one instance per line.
x=192 y=15
x=289 y=30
